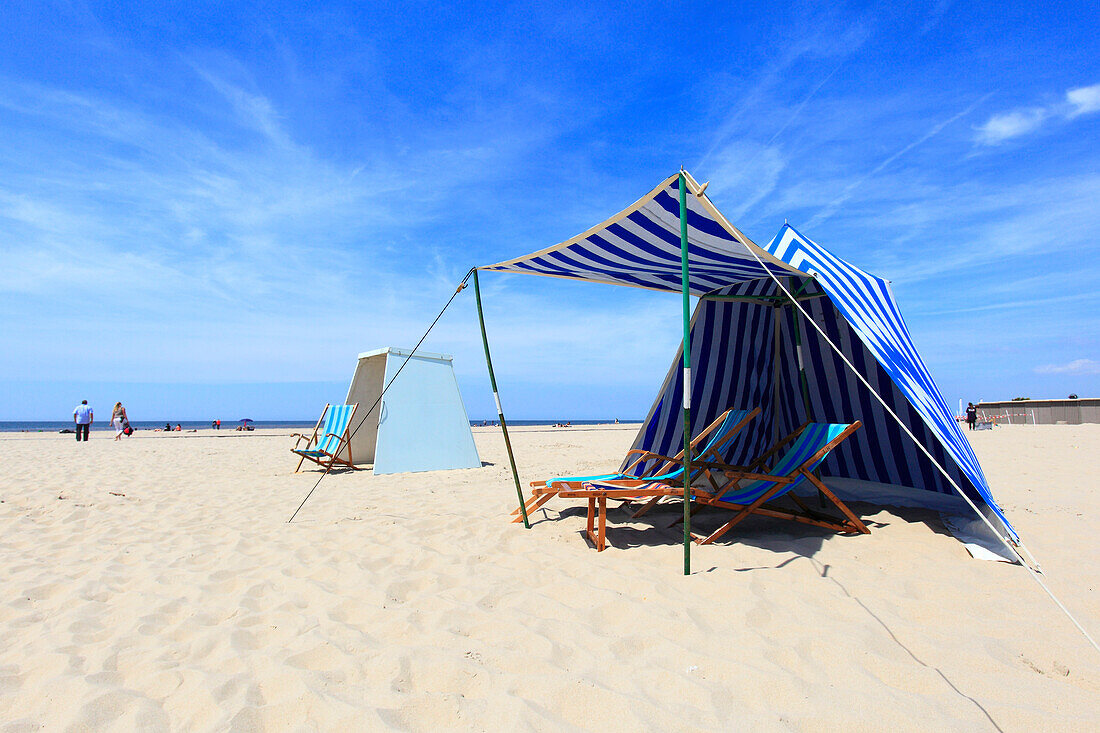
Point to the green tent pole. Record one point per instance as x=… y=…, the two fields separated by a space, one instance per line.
x=684 y=286
x=500 y=410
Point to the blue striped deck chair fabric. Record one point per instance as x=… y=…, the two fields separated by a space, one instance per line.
x=719 y=436
x=331 y=438
x=751 y=487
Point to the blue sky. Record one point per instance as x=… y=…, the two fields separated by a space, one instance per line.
x=207 y=210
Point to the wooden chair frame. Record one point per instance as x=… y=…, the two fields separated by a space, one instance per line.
x=540 y=495
x=757 y=471
x=333 y=458
x=597 y=496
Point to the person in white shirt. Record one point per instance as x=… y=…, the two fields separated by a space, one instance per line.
x=119 y=421
x=83 y=418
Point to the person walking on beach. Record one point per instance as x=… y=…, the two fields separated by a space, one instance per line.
x=83 y=418
x=971 y=415
x=119 y=421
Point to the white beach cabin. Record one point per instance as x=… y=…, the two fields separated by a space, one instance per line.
x=421 y=423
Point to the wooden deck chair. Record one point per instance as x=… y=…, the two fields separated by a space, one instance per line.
x=718 y=437
x=598 y=493
x=754 y=485
x=326 y=443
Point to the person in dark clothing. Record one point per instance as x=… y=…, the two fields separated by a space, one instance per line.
x=971 y=415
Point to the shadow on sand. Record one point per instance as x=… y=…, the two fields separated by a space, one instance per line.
x=660 y=527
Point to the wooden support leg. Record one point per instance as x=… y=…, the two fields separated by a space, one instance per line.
x=741 y=515
x=591 y=520
x=646 y=507
x=603 y=524
x=857 y=524
x=528 y=504
x=532 y=504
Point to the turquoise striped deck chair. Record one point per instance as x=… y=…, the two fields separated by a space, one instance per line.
x=325 y=446
x=752 y=486
x=716 y=438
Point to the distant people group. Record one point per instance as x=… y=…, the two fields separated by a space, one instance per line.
x=84 y=418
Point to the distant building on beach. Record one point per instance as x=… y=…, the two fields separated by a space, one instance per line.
x=1042 y=412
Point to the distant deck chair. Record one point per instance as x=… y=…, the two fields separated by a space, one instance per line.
x=718 y=437
x=752 y=486
x=326 y=443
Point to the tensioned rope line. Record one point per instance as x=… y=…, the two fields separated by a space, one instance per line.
x=459 y=289
x=919 y=445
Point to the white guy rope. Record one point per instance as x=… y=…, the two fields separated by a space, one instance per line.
x=919 y=445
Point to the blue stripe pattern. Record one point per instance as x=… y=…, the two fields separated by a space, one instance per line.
x=642 y=249
x=734 y=346
x=868 y=306
x=718 y=444
x=813 y=438
x=336 y=422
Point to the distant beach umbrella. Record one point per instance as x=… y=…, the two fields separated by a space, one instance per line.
x=246 y=420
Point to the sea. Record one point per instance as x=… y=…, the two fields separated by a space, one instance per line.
x=51 y=426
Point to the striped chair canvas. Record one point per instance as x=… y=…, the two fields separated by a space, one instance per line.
x=331 y=437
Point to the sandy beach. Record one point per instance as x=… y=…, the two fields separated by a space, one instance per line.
x=154 y=584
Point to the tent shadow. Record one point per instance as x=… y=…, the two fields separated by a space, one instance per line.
x=775 y=535
x=659 y=527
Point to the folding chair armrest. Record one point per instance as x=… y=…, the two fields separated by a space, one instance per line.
x=645 y=456
x=650 y=455
x=299 y=437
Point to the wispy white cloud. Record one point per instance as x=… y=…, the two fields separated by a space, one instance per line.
x=819 y=37
x=1007 y=125
x=831 y=208
x=1025 y=120
x=744 y=174
x=189 y=256
x=931 y=227
x=935 y=15
x=1083 y=100
x=1077 y=366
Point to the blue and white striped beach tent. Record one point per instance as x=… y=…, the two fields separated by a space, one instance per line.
x=753 y=347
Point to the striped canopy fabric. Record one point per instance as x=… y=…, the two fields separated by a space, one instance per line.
x=868 y=306
x=752 y=348
x=640 y=247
